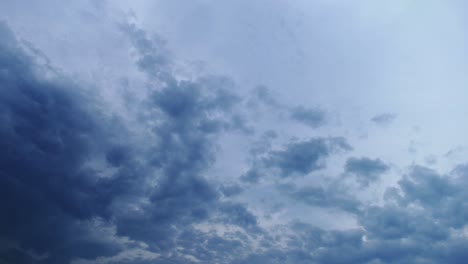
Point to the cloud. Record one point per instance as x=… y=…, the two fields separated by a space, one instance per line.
x=366 y=170
x=49 y=131
x=252 y=175
x=310 y=117
x=263 y=94
x=313 y=117
x=415 y=224
x=83 y=183
x=57 y=201
x=231 y=190
x=189 y=114
x=440 y=195
x=325 y=197
x=384 y=119
x=303 y=157
x=296 y=158
x=237 y=214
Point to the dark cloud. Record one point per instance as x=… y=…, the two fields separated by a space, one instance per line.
x=303 y=157
x=442 y=196
x=184 y=217
x=75 y=186
x=253 y=175
x=366 y=170
x=56 y=206
x=152 y=57
x=263 y=94
x=415 y=225
x=384 y=119
x=309 y=244
x=421 y=220
x=190 y=115
x=391 y=222
x=297 y=158
x=231 y=190
x=237 y=214
x=310 y=117
x=48 y=198
x=329 y=197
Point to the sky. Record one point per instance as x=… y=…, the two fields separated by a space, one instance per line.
x=233 y=132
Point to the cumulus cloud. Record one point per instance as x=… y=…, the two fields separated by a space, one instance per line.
x=296 y=158
x=303 y=157
x=168 y=164
x=310 y=117
x=50 y=131
x=365 y=170
x=410 y=227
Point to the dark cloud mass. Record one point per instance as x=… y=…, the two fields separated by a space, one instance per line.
x=303 y=157
x=48 y=132
x=52 y=201
x=297 y=158
x=161 y=163
x=365 y=170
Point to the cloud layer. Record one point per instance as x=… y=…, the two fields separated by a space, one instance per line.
x=147 y=152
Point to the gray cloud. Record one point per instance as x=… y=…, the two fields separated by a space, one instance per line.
x=303 y=157
x=48 y=132
x=313 y=117
x=366 y=170
x=384 y=119
x=326 y=197
x=297 y=158
x=310 y=117
x=231 y=190
x=150 y=182
x=190 y=114
x=51 y=132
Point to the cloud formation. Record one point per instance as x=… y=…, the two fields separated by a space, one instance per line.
x=138 y=152
x=49 y=132
x=365 y=170
x=301 y=158
x=311 y=117
x=384 y=119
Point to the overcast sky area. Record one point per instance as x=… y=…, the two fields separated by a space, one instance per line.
x=233 y=132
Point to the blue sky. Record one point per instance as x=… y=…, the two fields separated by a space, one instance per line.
x=237 y=132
